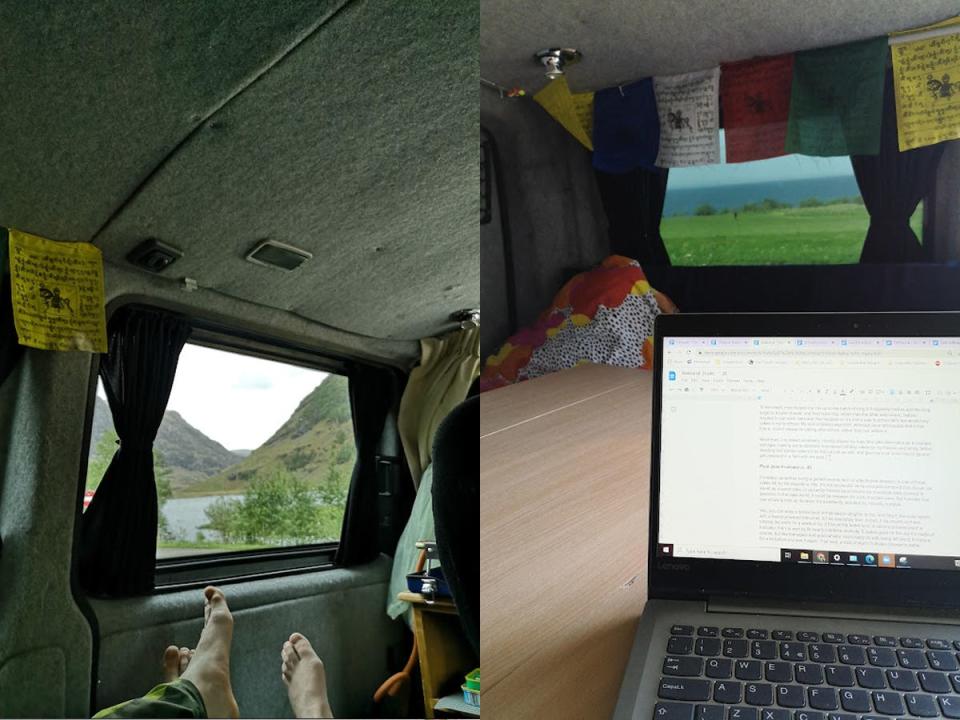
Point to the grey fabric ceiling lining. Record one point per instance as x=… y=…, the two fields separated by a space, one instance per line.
x=196 y=123
x=624 y=40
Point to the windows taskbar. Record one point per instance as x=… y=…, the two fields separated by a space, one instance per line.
x=868 y=559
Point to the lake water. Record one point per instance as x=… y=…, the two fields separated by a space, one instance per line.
x=683 y=201
x=186 y=516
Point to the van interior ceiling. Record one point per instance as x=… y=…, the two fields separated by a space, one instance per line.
x=550 y=221
x=342 y=128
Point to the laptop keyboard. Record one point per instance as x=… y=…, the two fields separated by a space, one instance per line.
x=733 y=673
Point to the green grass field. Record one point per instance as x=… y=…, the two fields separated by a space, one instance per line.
x=827 y=235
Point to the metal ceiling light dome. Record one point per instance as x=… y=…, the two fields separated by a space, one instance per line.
x=553 y=59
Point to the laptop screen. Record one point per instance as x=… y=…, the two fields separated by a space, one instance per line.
x=814 y=450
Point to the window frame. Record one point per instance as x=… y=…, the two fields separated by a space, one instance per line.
x=196 y=571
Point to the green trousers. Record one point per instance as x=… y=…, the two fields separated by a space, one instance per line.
x=178 y=699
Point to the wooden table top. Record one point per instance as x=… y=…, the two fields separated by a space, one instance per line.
x=564 y=498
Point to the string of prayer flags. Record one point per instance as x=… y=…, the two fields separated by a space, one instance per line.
x=755 y=96
x=573 y=111
x=57 y=293
x=926 y=82
x=688 y=106
x=626 y=128
x=836 y=102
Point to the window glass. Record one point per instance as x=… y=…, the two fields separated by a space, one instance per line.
x=251 y=454
x=787 y=210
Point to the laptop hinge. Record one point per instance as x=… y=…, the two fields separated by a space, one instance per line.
x=832 y=610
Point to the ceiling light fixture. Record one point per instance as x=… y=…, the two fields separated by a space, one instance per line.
x=554 y=59
x=279 y=255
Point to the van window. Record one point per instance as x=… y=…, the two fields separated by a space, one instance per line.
x=793 y=209
x=251 y=454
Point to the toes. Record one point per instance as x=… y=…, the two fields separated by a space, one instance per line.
x=171 y=662
x=289 y=653
x=184 y=660
x=215 y=606
x=302 y=646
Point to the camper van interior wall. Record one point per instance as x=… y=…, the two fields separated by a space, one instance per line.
x=57 y=293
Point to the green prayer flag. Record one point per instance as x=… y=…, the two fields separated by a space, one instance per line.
x=836 y=103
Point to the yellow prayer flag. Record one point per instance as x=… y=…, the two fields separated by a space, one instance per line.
x=574 y=112
x=57 y=293
x=926 y=79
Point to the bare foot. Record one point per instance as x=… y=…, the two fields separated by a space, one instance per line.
x=175 y=661
x=305 y=678
x=208 y=667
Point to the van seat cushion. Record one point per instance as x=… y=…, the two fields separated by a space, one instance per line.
x=604 y=315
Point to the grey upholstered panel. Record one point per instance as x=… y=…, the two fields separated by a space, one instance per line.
x=341 y=611
x=97 y=93
x=360 y=146
x=625 y=40
x=557 y=224
x=45 y=642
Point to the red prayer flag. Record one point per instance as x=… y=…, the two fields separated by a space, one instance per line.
x=755 y=98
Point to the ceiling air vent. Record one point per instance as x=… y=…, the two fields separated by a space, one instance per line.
x=154 y=255
x=278 y=255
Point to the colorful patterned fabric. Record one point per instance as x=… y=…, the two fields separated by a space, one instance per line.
x=604 y=316
x=177 y=699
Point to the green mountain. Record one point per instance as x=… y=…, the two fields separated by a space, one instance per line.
x=190 y=455
x=314 y=444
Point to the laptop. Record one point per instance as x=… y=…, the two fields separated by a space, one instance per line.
x=804 y=556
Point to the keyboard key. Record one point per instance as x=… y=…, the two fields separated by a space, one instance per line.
x=719 y=668
x=823 y=653
x=934 y=682
x=727 y=692
x=956 y=644
x=935 y=644
x=707 y=631
x=763 y=649
x=742 y=713
x=882 y=657
x=921 y=705
x=683 y=666
x=707 y=646
x=821 y=698
x=833 y=638
x=888 y=703
x=782 y=635
x=839 y=676
x=912 y=659
x=793 y=651
x=672 y=711
x=884 y=641
x=903 y=680
x=736 y=648
x=950 y=706
x=680 y=630
x=851 y=655
x=909 y=642
x=781 y=672
x=791 y=696
x=858 y=639
x=808 y=715
x=758 y=694
x=680 y=645
x=808 y=674
x=683 y=689
x=806 y=636
x=941 y=660
x=855 y=701
x=757 y=634
x=870 y=677
x=747 y=669
x=774 y=714
x=732 y=632
x=955 y=681
x=708 y=712
x=840 y=716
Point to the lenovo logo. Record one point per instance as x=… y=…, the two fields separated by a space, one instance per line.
x=674 y=566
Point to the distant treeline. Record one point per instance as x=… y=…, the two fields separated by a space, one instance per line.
x=768 y=204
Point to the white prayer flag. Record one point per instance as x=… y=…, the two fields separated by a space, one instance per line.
x=689 y=112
